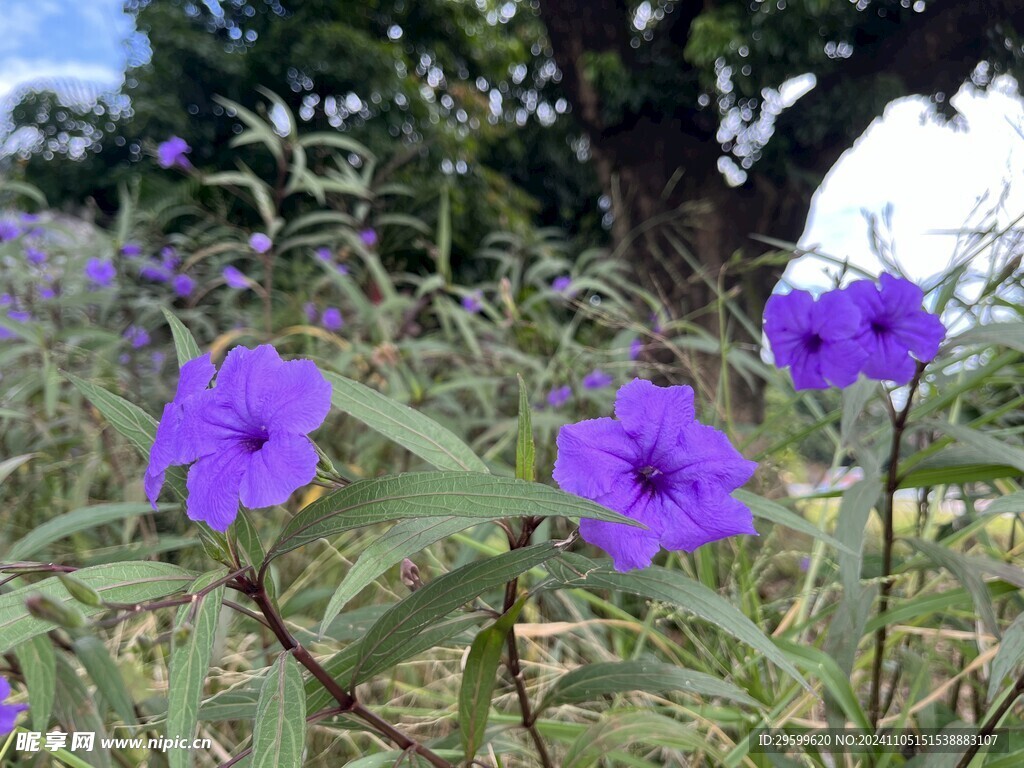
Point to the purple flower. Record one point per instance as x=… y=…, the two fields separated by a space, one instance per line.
x=656 y=464
x=260 y=242
x=47 y=293
x=597 y=379
x=561 y=284
x=100 y=273
x=309 y=308
x=332 y=319
x=29 y=218
x=8 y=712
x=172 y=153
x=35 y=256
x=247 y=435
x=158 y=358
x=558 y=396
x=171 y=445
x=6 y=334
x=137 y=337
x=19 y=315
x=368 y=237
x=342 y=269
x=8 y=231
x=183 y=285
x=155 y=271
x=894 y=326
x=815 y=338
x=131 y=250
x=5 y=299
x=805 y=563
x=169 y=257
x=635 y=348
x=234 y=278
x=324 y=254
x=472 y=302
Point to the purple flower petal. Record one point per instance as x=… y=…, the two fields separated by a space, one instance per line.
x=332 y=319
x=172 y=153
x=597 y=379
x=472 y=302
x=635 y=348
x=131 y=250
x=183 y=285
x=100 y=273
x=35 y=256
x=561 y=284
x=559 y=396
x=213 y=485
x=234 y=278
x=656 y=465
x=368 y=237
x=285 y=462
x=260 y=242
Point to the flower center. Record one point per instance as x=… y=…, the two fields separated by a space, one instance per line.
x=879 y=327
x=814 y=342
x=648 y=476
x=255 y=441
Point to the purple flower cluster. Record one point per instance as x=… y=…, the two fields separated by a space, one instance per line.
x=331 y=318
x=656 y=464
x=8 y=712
x=874 y=329
x=245 y=438
x=136 y=336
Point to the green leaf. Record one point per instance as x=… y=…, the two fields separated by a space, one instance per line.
x=96 y=659
x=444 y=235
x=190 y=660
x=439 y=598
x=401 y=424
x=1009 y=655
x=478 y=679
x=655 y=583
x=128 y=419
x=589 y=682
x=279 y=735
x=778 y=514
x=525 y=449
x=184 y=343
x=40 y=537
x=38 y=665
x=620 y=729
x=966 y=573
x=130 y=582
x=834 y=679
x=341 y=664
x=403 y=539
x=992 y=450
x=991 y=334
x=432 y=494
x=7 y=466
x=76 y=710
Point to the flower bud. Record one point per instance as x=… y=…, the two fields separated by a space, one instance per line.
x=411 y=575
x=48 y=609
x=81 y=591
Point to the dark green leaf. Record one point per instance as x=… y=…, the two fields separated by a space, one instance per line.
x=571 y=570
x=778 y=514
x=431 y=494
x=128 y=419
x=96 y=659
x=38 y=665
x=405 y=426
x=279 y=736
x=62 y=526
x=440 y=597
x=525 y=449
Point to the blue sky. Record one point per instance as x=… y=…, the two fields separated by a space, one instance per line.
x=932 y=175
x=63 y=38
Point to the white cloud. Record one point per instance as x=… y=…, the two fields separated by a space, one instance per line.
x=933 y=175
x=17 y=71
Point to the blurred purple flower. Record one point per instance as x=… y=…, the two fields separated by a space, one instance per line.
x=635 y=348
x=260 y=242
x=8 y=712
x=561 y=284
x=6 y=334
x=473 y=302
x=332 y=319
x=137 y=337
x=8 y=231
x=309 y=308
x=171 y=153
x=247 y=435
x=29 y=218
x=124 y=358
x=805 y=563
x=47 y=293
x=35 y=256
x=342 y=269
x=597 y=379
x=5 y=299
x=131 y=250
x=559 y=396
x=893 y=327
x=20 y=316
x=324 y=254
x=158 y=359
x=815 y=338
x=368 y=237
x=155 y=271
x=183 y=285
x=169 y=257
x=656 y=464
x=234 y=278
x=100 y=273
